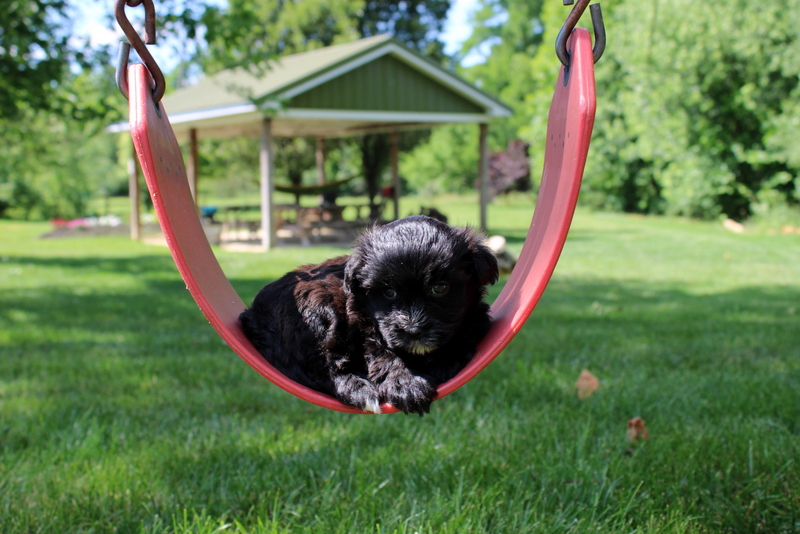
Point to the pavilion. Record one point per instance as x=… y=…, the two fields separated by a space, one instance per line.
x=372 y=85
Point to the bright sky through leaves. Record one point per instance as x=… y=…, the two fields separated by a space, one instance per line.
x=92 y=20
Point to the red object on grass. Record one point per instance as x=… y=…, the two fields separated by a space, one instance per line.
x=568 y=133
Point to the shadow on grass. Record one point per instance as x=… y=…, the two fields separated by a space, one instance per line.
x=143 y=264
x=51 y=331
x=610 y=312
x=93 y=374
x=158 y=293
x=517 y=236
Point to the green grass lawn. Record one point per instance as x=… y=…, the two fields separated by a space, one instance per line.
x=122 y=411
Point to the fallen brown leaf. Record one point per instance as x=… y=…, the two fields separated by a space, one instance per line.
x=586 y=384
x=637 y=430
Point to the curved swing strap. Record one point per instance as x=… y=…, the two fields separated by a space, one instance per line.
x=569 y=129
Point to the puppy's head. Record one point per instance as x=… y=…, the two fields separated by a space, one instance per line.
x=417 y=278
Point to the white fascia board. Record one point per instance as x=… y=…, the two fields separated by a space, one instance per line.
x=194 y=116
x=206 y=114
x=331 y=114
x=248 y=111
x=494 y=109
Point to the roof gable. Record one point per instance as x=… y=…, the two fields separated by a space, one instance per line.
x=369 y=85
x=238 y=86
x=384 y=84
x=343 y=69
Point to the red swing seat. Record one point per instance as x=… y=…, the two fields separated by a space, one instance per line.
x=569 y=130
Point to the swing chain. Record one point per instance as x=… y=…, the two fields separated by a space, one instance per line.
x=135 y=41
x=569 y=25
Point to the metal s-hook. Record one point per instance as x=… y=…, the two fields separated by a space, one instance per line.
x=122 y=68
x=569 y=25
x=136 y=42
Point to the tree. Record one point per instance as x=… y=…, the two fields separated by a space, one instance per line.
x=248 y=33
x=56 y=97
x=54 y=102
x=33 y=54
x=698 y=102
x=447 y=162
x=51 y=163
x=417 y=23
x=512 y=31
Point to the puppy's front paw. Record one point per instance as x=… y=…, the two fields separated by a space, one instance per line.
x=409 y=393
x=359 y=392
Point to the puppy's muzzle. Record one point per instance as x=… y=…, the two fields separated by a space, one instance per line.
x=413 y=323
x=414 y=333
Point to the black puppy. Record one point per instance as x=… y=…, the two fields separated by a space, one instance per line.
x=389 y=323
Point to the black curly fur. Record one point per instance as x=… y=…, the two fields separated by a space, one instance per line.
x=389 y=323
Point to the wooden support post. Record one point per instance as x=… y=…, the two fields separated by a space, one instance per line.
x=133 y=195
x=320 y=155
x=192 y=170
x=394 y=152
x=483 y=172
x=267 y=169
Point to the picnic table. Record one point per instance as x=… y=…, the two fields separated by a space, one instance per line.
x=306 y=222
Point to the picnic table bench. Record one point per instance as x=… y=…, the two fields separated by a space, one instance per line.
x=305 y=222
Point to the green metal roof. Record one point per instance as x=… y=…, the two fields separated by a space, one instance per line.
x=373 y=84
x=234 y=86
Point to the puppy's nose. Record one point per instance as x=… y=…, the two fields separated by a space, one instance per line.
x=413 y=328
x=415 y=323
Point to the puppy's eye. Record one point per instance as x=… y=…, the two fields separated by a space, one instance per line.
x=440 y=289
x=390 y=293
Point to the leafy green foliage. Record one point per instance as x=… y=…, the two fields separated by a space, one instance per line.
x=33 y=53
x=447 y=162
x=697 y=116
x=247 y=33
x=417 y=23
x=39 y=58
x=52 y=163
x=697 y=103
x=56 y=97
x=512 y=32
x=72 y=165
x=695 y=107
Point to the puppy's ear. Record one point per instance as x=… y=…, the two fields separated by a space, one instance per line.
x=483 y=259
x=353 y=266
x=486 y=265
